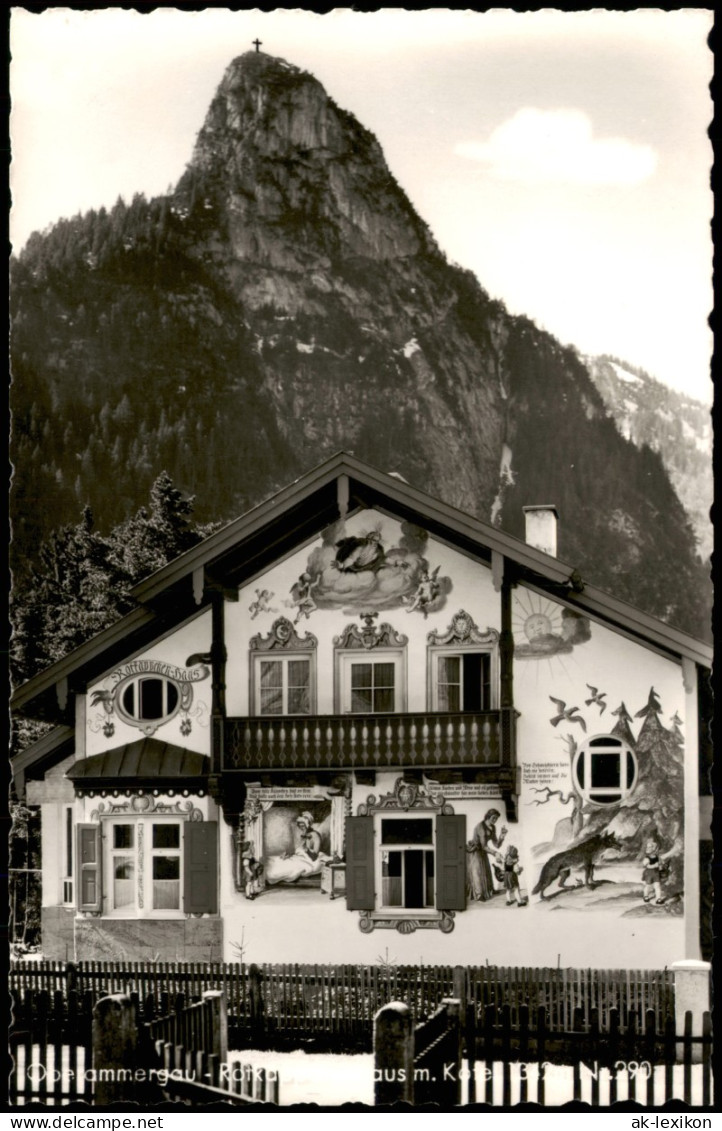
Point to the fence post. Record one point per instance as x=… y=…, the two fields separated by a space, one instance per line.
x=691 y=995
x=115 y=1049
x=450 y=1088
x=255 y=979
x=393 y=1054
x=220 y=1023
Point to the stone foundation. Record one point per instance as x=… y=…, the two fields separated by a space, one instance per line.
x=57 y=933
x=143 y=940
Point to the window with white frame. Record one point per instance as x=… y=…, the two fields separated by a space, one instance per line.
x=370 y=670
x=463 y=667
x=283 y=671
x=605 y=769
x=143 y=867
x=147 y=699
x=283 y=685
x=68 y=834
x=406 y=863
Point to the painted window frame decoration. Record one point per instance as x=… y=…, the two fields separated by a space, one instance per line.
x=366 y=850
x=383 y=645
x=462 y=638
x=282 y=643
x=132 y=675
x=605 y=746
x=99 y=848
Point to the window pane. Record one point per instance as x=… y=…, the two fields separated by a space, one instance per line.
x=472 y=682
x=151 y=699
x=299 y=673
x=384 y=675
x=362 y=701
x=429 y=879
x=384 y=701
x=361 y=675
x=449 y=697
x=122 y=836
x=299 y=701
x=128 y=700
x=123 y=882
x=166 y=867
x=271 y=673
x=166 y=836
x=406 y=830
x=630 y=770
x=414 y=877
x=605 y=771
x=391 y=879
x=449 y=669
x=271 y=701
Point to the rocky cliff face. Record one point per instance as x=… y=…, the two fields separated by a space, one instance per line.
x=678 y=427
x=285 y=302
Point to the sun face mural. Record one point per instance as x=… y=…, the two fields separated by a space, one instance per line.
x=361 y=572
x=542 y=628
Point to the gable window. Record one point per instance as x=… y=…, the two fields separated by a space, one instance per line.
x=150 y=867
x=463 y=667
x=147 y=699
x=605 y=769
x=283 y=671
x=370 y=669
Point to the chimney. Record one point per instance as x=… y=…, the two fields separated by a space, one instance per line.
x=541 y=528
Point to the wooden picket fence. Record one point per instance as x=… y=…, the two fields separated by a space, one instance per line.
x=57 y=1053
x=502 y=1063
x=283 y=1004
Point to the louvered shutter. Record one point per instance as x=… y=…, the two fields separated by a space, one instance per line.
x=450 y=863
x=89 y=877
x=200 y=867
x=360 y=893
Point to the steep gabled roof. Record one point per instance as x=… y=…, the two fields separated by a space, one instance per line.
x=243 y=548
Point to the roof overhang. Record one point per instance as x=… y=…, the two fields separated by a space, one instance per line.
x=339 y=486
x=144 y=764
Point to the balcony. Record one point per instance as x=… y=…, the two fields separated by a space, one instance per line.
x=341 y=742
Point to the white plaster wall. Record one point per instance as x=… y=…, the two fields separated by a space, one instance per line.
x=295 y=925
x=472 y=590
x=175 y=648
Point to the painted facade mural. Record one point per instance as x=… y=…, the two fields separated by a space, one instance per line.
x=542 y=628
x=621 y=847
x=359 y=572
x=290 y=836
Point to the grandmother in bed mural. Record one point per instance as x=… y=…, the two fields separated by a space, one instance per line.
x=296 y=844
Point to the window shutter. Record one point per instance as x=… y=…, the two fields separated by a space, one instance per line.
x=360 y=893
x=200 y=867
x=450 y=863
x=89 y=894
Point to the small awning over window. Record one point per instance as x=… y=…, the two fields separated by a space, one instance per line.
x=148 y=763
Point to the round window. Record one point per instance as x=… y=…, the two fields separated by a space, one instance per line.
x=605 y=769
x=148 y=701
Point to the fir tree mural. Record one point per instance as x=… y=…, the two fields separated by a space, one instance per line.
x=655 y=807
x=653 y=810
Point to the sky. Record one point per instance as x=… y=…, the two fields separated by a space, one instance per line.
x=562 y=157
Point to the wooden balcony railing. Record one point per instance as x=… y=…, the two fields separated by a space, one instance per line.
x=368 y=741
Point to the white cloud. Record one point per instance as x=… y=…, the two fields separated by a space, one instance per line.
x=558 y=146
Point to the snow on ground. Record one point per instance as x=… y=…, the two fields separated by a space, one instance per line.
x=329 y=1080
x=625 y=375
x=630 y=405
x=411 y=348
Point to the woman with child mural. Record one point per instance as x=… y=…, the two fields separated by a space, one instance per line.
x=484 y=848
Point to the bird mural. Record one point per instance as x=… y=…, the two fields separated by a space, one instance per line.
x=104 y=697
x=598 y=697
x=566 y=713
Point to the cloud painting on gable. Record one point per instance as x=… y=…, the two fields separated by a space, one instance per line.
x=362 y=571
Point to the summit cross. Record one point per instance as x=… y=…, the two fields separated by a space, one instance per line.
x=257 y=44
